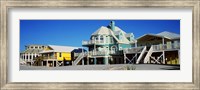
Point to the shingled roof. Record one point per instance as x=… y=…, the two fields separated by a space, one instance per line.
x=56 y=48
x=107 y=31
x=169 y=35
x=165 y=34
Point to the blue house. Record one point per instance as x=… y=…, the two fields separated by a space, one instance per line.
x=111 y=45
x=106 y=44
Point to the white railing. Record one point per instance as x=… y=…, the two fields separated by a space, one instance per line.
x=87 y=42
x=141 y=55
x=147 y=57
x=78 y=59
x=166 y=47
x=133 y=50
x=98 y=53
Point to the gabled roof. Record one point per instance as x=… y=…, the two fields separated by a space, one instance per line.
x=169 y=35
x=165 y=34
x=102 y=30
x=107 y=31
x=56 y=48
x=32 y=51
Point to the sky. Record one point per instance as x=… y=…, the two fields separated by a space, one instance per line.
x=72 y=32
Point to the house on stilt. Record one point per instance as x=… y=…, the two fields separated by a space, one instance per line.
x=111 y=45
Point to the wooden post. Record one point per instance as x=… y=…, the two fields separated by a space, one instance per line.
x=106 y=60
x=163 y=42
x=82 y=61
x=95 y=61
x=163 y=57
x=124 y=58
x=53 y=63
x=47 y=63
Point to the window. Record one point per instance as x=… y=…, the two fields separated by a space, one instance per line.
x=60 y=54
x=101 y=38
x=111 y=40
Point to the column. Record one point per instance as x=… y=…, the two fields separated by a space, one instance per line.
x=28 y=57
x=95 y=60
x=53 y=62
x=25 y=58
x=163 y=57
x=124 y=58
x=47 y=62
x=35 y=54
x=31 y=58
x=106 y=60
x=42 y=63
x=83 y=61
x=163 y=42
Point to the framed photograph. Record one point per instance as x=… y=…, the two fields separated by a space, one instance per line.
x=121 y=44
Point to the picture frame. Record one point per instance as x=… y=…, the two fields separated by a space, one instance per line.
x=4 y=44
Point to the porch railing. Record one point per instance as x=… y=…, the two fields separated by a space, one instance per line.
x=166 y=47
x=87 y=42
x=133 y=50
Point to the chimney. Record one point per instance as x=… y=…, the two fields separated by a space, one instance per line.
x=112 y=25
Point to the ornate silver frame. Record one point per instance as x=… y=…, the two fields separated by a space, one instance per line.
x=4 y=45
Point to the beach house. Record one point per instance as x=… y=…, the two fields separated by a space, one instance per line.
x=54 y=55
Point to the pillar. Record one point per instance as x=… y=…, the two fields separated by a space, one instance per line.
x=106 y=60
x=25 y=58
x=124 y=58
x=82 y=61
x=31 y=58
x=163 y=57
x=42 y=63
x=53 y=62
x=47 y=63
x=95 y=60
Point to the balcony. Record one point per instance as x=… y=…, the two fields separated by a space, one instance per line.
x=166 y=47
x=91 y=42
x=98 y=53
x=133 y=50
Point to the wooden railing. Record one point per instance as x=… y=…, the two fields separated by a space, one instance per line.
x=133 y=50
x=87 y=42
x=166 y=47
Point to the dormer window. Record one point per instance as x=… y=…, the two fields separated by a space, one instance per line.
x=101 y=38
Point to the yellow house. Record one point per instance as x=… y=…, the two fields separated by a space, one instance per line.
x=54 y=55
